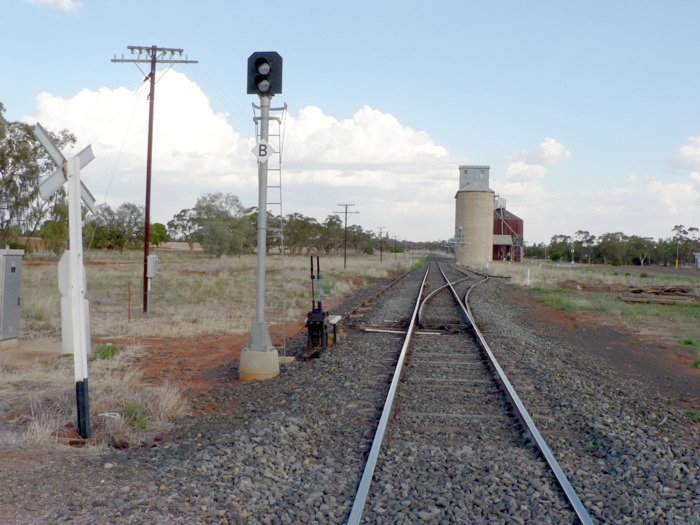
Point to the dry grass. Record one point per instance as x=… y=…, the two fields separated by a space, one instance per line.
x=552 y=274
x=193 y=295
x=568 y=287
x=42 y=397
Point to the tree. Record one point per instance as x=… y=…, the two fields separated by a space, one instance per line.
x=583 y=244
x=23 y=164
x=301 y=233
x=184 y=226
x=54 y=232
x=560 y=247
x=684 y=240
x=158 y=234
x=640 y=249
x=218 y=221
x=611 y=248
x=130 y=222
x=115 y=230
x=331 y=235
x=536 y=251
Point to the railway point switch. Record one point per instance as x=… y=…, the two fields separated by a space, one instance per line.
x=317 y=319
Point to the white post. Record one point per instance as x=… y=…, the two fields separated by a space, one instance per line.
x=77 y=295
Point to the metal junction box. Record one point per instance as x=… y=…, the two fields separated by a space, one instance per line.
x=152 y=266
x=10 y=288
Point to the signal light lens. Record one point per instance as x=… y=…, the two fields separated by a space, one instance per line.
x=264 y=67
x=263 y=85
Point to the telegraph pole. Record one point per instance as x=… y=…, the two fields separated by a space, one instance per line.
x=345 y=239
x=151 y=55
x=381 y=245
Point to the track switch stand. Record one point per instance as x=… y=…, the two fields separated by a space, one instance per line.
x=316 y=319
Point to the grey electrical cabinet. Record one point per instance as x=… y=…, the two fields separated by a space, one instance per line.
x=10 y=288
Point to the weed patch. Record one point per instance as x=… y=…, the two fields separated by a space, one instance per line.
x=106 y=351
x=135 y=415
x=693 y=414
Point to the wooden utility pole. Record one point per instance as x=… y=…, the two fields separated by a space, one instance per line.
x=381 y=241
x=151 y=55
x=345 y=237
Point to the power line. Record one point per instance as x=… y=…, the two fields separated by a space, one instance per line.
x=381 y=245
x=151 y=55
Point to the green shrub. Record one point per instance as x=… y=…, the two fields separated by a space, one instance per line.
x=690 y=341
x=695 y=363
x=135 y=415
x=106 y=351
x=692 y=414
x=643 y=274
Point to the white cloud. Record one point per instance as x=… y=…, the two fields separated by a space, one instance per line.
x=641 y=206
x=519 y=170
x=370 y=159
x=550 y=151
x=63 y=5
x=647 y=207
x=689 y=155
x=195 y=150
x=531 y=166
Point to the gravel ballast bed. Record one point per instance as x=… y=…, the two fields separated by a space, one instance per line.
x=630 y=455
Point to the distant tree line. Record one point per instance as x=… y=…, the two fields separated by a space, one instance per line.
x=222 y=225
x=618 y=249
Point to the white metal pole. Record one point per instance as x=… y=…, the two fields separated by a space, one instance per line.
x=77 y=295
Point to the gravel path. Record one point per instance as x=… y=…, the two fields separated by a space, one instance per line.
x=291 y=450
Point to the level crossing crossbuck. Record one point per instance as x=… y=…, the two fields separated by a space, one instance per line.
x=68 y=173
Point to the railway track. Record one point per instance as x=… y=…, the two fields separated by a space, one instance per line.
x=454 y=441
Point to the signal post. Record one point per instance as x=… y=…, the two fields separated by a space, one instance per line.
x=259 y=359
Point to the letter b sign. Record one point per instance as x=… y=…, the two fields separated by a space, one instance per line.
x=262 y=150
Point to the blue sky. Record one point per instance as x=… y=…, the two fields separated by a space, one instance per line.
x=587 y=112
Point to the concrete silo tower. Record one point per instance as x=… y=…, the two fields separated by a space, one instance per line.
x=474 y=217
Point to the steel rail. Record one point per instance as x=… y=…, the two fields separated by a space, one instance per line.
x=434 y=293
x=363 y=488
x=520 y=409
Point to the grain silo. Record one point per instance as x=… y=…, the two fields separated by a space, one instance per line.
x=474 y=217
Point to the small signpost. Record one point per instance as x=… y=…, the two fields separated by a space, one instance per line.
x=79 y=337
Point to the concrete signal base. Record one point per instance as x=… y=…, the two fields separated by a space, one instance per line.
x=259 y=360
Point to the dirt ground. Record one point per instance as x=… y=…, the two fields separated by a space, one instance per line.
x=653 y=358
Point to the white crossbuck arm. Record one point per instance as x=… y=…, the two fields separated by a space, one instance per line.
x=53 y=182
